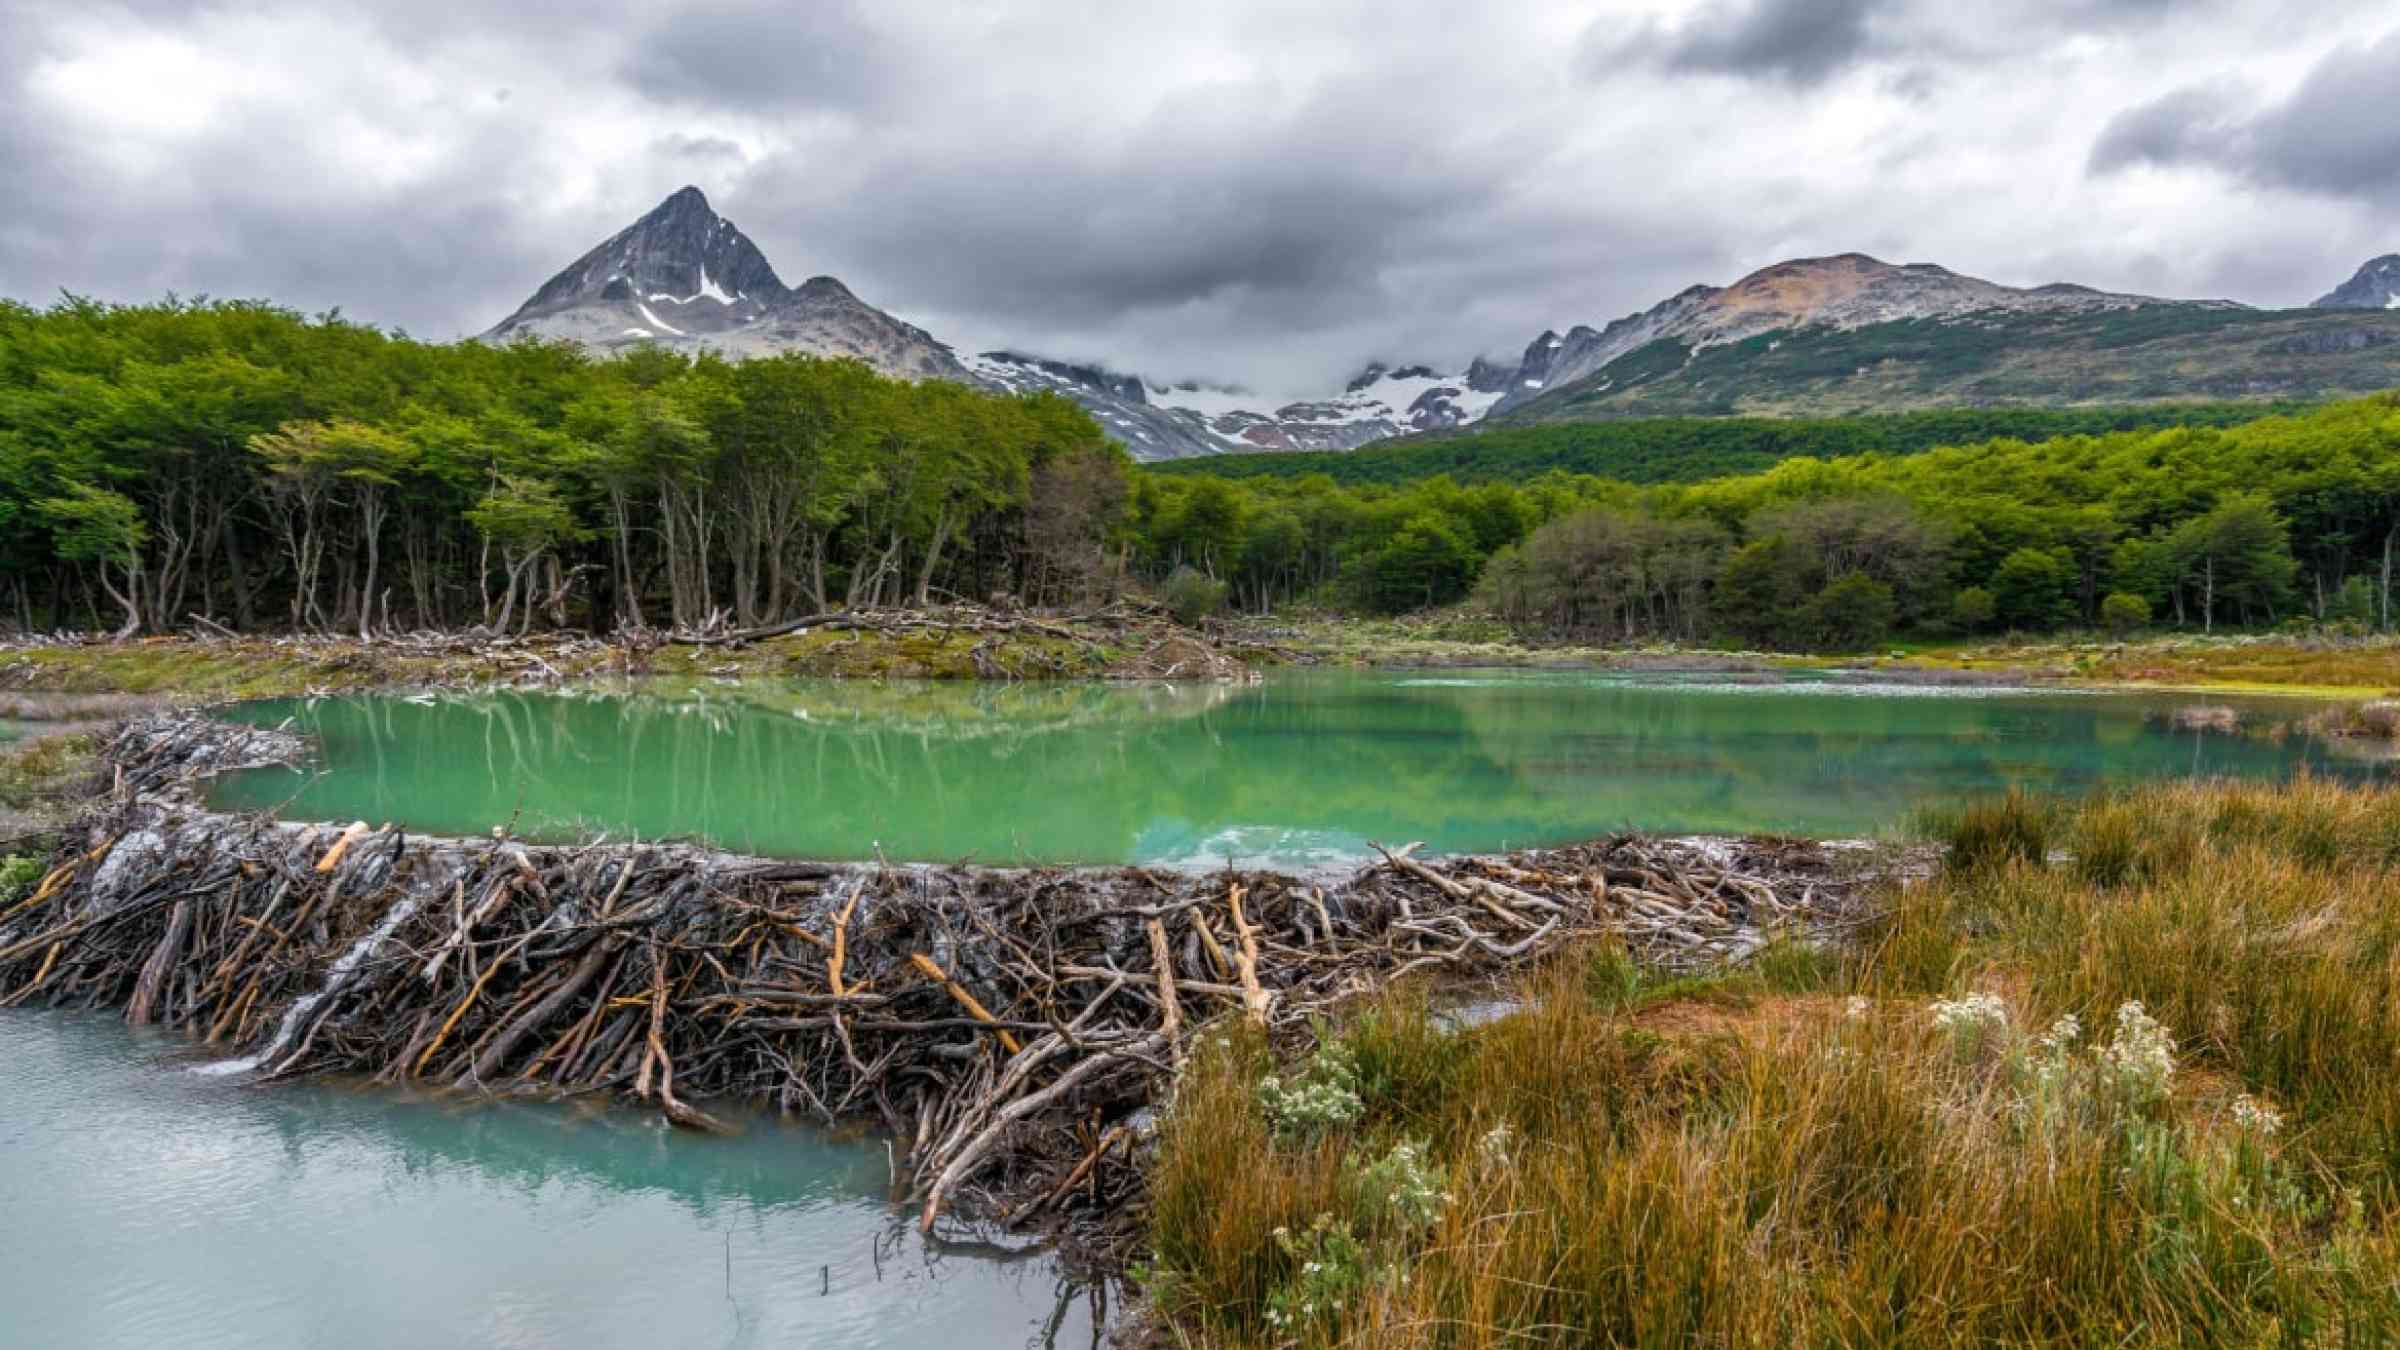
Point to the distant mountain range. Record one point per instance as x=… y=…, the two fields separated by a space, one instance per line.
x=1813 y=336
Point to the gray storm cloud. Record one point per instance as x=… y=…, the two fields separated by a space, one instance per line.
x=2333 y=134
x=1248 y=191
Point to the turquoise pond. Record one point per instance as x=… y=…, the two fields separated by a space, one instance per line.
x=1304 y=768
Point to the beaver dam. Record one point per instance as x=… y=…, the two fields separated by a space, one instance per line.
x=1008 y=1030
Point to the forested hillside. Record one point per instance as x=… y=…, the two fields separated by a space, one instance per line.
x=167 y=465
x=1688 y=449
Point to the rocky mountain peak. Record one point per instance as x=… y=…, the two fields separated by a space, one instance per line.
x=682 y=253
x=1486 y=376
x=684 y=276
x=1376 y=371
x=2376 y=286
x=1367 y=375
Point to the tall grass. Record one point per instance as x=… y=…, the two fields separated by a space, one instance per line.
x=1902 y=1147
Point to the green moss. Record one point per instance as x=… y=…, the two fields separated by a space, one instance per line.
x=44 y=770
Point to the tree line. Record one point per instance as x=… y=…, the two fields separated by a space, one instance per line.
x=241 y=465
x=236 y=464
x=2290 y=517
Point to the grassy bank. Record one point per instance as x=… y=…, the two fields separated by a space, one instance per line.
x=1464 y=639
x=185 y=669
x=2280 y=663
x=2141 y=1096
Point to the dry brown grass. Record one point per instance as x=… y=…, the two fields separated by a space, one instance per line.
x=1748 y=1162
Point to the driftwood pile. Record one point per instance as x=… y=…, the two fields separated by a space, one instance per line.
x=1009 y=1029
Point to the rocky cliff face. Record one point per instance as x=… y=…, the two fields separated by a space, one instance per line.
x=683 y=276
x=2377 y=286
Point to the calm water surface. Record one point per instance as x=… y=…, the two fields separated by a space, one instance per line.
x=1307 y=767
x=144 y=1205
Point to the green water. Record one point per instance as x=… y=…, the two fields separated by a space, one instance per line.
x=1304 y=768
x=143 y=1205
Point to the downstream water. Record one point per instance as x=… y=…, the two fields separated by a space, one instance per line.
x=1305 y=768
x=143 y=1205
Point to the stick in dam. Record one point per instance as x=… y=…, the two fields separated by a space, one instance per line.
x=995 y=1022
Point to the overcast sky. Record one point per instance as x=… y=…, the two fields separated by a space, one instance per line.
x=1264 y=192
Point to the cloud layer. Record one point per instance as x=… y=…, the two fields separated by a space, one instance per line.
x=1233 y=191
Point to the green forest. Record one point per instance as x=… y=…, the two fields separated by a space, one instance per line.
x=232 y=464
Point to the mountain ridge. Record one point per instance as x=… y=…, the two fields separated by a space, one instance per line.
x=1824 y=336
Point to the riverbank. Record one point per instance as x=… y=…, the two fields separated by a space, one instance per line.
x=942 y=644
x=974 y=644
x=2119 y=1072
x=2303 y=665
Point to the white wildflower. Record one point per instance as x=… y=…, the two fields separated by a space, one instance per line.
x=1971 y=1022
x=2140 y=1057
x=1322 y=1098
x=1497 y=1146
x=2256 y=1117
x=1402 y=1188
x=2062 y=1035
x=1857 y=1009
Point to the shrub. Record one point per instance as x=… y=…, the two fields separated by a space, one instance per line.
x=2031 y=590
x=1192 y=596
x=1973 y=609
x=2121 y=613
x=1853 y=613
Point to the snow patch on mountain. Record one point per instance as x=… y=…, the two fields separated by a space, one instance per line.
x=1171 y=420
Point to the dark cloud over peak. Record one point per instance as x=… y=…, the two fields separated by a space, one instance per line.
x=821 y=54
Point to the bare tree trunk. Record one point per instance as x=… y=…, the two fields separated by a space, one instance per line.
x=371 y=510
x=2385 y=621
x=130 y=598
x=933 y=557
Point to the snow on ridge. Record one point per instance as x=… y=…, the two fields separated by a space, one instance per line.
x=1208 y=402
x=712 y=290
x=657 y=322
